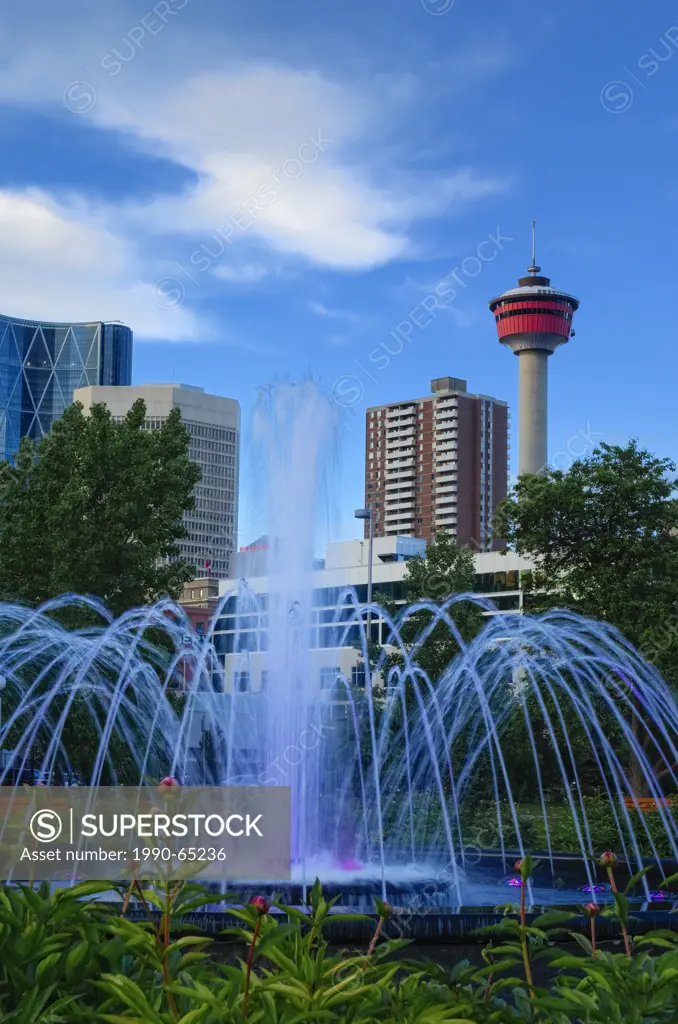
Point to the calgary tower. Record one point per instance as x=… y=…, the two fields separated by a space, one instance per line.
x=533 y=320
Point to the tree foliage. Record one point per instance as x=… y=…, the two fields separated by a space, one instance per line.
x=96 y=508
x=604 y=540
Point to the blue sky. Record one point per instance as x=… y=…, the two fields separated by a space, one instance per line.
x=385 y=143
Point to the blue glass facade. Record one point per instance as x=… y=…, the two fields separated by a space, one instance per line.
x=41 y=365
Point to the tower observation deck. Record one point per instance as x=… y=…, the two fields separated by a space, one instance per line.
x=533 y=320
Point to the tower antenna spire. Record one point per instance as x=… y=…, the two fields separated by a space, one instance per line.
x=534 y=269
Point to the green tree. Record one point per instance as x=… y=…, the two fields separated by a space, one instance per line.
x=604 y=540
x=96 y=508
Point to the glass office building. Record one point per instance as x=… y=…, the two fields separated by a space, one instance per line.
x=42 y=364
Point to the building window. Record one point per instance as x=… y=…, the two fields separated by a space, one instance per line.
x=358 y=676
x=241 y=682
x=329 y=677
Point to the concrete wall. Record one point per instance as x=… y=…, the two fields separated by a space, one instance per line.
x=532 y=410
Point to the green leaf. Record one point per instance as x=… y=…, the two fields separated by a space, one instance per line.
x=33 y=899
x=509 y=950
x=195 y=1016
x=633 y=881
x=551 y=918
x=315 y=895
x=662 y=933
x=622 y=906
x=189 y=940
x=294 y=912
x=45 y=965
x=583 y=942
x=114 y=1018
x=507 y=927
x=275 y=937
x=154 y=898
x=130 y=993
x=77 y=955
x=83 y=890
x=655 y=941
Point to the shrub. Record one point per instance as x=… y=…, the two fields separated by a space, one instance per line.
x=66 y=958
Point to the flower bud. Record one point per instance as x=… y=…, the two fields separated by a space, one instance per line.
x=608 y=859
x=592 y=909
x=385 y=910
x=169 y=781
x=260 y=904
x=524 y=867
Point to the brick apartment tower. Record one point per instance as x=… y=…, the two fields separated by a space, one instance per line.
x=439 y=462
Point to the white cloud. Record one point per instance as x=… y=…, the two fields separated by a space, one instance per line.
x=320 y=309
x=56 y=263
x=248 y=273
x=240 y=125
x=274 y=149
x=286 y=156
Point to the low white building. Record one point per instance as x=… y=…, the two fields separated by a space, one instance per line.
x=241 y=640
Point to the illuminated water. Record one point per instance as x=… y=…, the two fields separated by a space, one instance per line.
x=384 y=780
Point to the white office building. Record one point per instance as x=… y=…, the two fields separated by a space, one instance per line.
x=241 y=640
x=213 y=424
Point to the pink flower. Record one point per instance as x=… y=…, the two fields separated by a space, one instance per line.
x=608 y=859
x=260 y=904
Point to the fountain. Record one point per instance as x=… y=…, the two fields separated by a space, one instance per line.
x=413 y=788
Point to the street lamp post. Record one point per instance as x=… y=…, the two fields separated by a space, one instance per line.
x=366 y=513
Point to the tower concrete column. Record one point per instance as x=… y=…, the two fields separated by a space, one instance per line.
x=532 y=410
